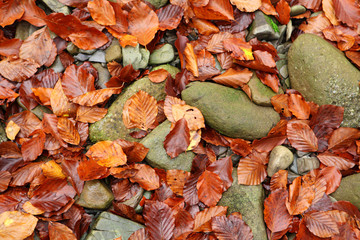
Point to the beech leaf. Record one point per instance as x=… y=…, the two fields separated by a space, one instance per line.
x=343 y=137
x=17 y=69
x=169 y=17
x=247 y=5
x=210 y=188
x=68 y=131
x=102 y=12
x=347 y=11
x=191 y=60
x=10 y=222
x=321 y=224
x=178 y=140
x=301 y=136
x=231 y=227
x=251 y=169
x=10 y=11
x=283 y=9
x=58 y=231
x=203 y=218
x=107 y=154
x=300 y=197
x=234 y=78
x=332 y=160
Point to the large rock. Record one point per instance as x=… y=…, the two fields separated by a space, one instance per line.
x=57 y=6
x=137 y=56
x=260 y=93
x=263 y=28
x=109 y=226
x=349 y=190
x=95 y=195
x=249 y=201
x=111 y=127
x=322 y=74
x=162 y=55
x=230 y=111
x=157 y=156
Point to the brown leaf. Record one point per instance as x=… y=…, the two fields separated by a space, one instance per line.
x=5 y=178
x=223 y=167
x=33 y=13
x=169 y=102
x=17 y=69
x=300 y=197
x=298 y=106
x=329 y=10
x=315 y=24
x=77 y=81
x=343 y=137
x=135 y=152
x=347 y=11
x=140 y=234
x=178 y=139
x=50 y=123
x=146 y=177
x=67 y=131
x=281 y=104
x=191 y=60
x=321 y=224
x=215 y=10
x=311 y=4
x=33 y=148
x=301 y=136
x=90 y=114
x=176 y=179
x=10 y=47
x=27 y=121
x=107 y=154
x=12 y=129
x=95 y=97
x=268 y=8
x=159 y=220
x=247 y=5
x=60 y=104
x=269 y=79
x=204 y=27
x=240 y=146
x=140 y=111
x=354 y=57
x=190 y=191
x=231 y=227
x=10 y=11
x=58 y=231
x=283 y=9
x=279 y=180
x=90 y=170
x=10 y=222
x=239 y=49
x=333 y=160
x=203 y=218
x=251 y=169
x=169 y=17
x=332 y=177
x=26 y=174
x=210 y=188
x=215 y=45
x=234 y=78
x=143 y=23
x=158 y=76
x=102 y=12
x=193 y=116
x=183 y=224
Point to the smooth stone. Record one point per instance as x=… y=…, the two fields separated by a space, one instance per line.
x=103 y=75
x=280 y=159
x=57 y=6
x=113 y=52
x=88 y=52
x=297 y=10
x=284 y=71
x=111 y=127
x=157 y=3
x=24 y=30
x=230 y=111
x=162 y=55
x=306 y=164
x=289 y=30
x=138 y=57
x=95 y=195
x=3 y=137
x=72 y=49
x=263 y=28
x=157 y=156
x=249 y=201
x=82 y=57
x=57 y=65
x=282 y=35
x=109 y=226
x=98 y=56
x=322 y=74
x=134 y=201
x=260 y=93
x=349 y=190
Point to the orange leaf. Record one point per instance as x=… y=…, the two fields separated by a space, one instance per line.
x=343 y=137
x=10 y=11
x=194 y=118
x=102 y=12
x=33 y=13
x=283 y=8
x=279 y=180
x=169 y=17
x=178 y=139
x=17 y=69
x=281 y=104
x=7 y=93
x=146 y=177
x=203 y=218
x=215 y=45
x=90 y=114
x=10 y=222
x=247 y=5
x=332 y=177
x=5 y=178
x=68 y=131
x=333 y=160
x=143 y=23
x=264 y=58
x=224 y=168
x=329 y=10
x=27 y=121
x=95 y=97
x=90 y=170
x=12 y=129
x=231 y=227
x=140 y=111
x=311 y=4
x=191 y=60
x=268 y=8
x=215 y=10
x=354 y=57
x=107 y=154
x=204 y=27
x=52 y=170
x=321 y=224
x=29 y=208
x=60 y=104
x=158 y=76
x=234 y=78
x=210 y=188
x=140 y=234
x=169 y=102
x=176 y=179
x=251 y=169
x=239 y=49
x=26 y=174
x=298 y=106
x=135 y=152
x=33 y=148
x=300 y=197
x=301 y=136
x=315 y=24
x=44 y=94
x=347 y=11
x=58 y=231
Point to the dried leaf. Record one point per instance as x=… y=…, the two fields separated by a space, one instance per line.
x=279 y=180
x=159 y=75
x=203 y=218
x=210 y=188
x=176 y=179
x=343 y=137
x=60 y=104
x=140 y=234
x=300 y=197
x=146 y=177
x=215 y=45
x=315 y=24
x=33 y=148
x=234 y=78
x=33 y=13
x=191 y=60
x=50 y=123
x=169 y=102
x=12 y=129
x=107 y=154
x=178 y=139
x=354 y=57
x=90 y=114
x=183 y=224
x=329 y=10
x=68 y=131
x=347 y=11
x=239 y=49
x=58 y=231
x=283 y=9
x=247 y=5
x=333 y=160
x=268 y=8
x=5 y=178
x=204 y=27
x=17 y=69
x=251 y=169
x=29 y=208
x=240 y=147
x=90 y=170
x=77 y=81
x=193 y=116
x=10 y=11
x=215 y=10
x=321 y=224
x=231 y=227
x=169 y=17
x=95 y=97
x=102 y=12
x=51 y=169
x=26 y=174
x=301 y=136
x=16 y=225
x=298 y=106
x=332 y=177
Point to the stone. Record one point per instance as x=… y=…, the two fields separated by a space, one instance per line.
x=138 y=57
x=3 y=137
x=111 y=127
x=98 y=56
x=249 y=201
x=24 y=30
x=134 y=201
x=109 y=226
x=263 y=28
x=57 y=6
x=157 y=156
x=72 y=49
x=95 y=195
x=88 y=52
x=322 y=74
x=57 y=65
x=171 y=69
x=103 y=75
x=280 y=159
x=230 y=111
x=306 y=164
x=260 y=93
x=284 y=71
x=289 y=29
x=297 y=10
x=157 y=3
x=113 y=52
x=39 y=110
x=349 y=190
x=162 y=55
x=82 y=57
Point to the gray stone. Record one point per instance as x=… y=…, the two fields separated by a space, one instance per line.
x=162 y=55
x=111 y=127
x=282 y=35
x=72 y=49
x=57 y=65
x=263 y=28
x=297 y=10
x=98 y=56
x=280 y=158
x=158 y=3
x=138 y=57
x=82 y=57
x=57 y=6
x=305 y=164
x=249 y=201
x=349 y=190
x=24 y=30
x=230 y=111
x=103 y=75
x=109 y=226
x=322 y=74
x=292 y=176
x=95 y=195
x=157 y=156
x=289 y=29
x=284 y=71
x=88 y=52
x=113 y=52
x=260 y=93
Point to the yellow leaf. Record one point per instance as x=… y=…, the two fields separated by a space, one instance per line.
x=193 y=116
x=52 y=170
x=195 y=137
x=16 y=225
x=12 y=129
x=247 y=5
x=31 y=209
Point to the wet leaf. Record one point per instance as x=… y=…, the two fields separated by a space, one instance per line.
x=102 y=12
x=16 y=225
x=210 y=188
x=268 y=8
x=239 y=49
x=251 y=169
x=204 y=27
x=247 y=5
x=298 y=106
x=146 y=177
x=300 y=197
x=58 y=231
x=191 y=60
x=68 y=131
x=176 y=179
x=178 y=139
x=333 y=160
x=33 y=13
x=5 y=178
x=183 y=224
x=51 y=169
x=215 y=45
x=90 y=114
x=343 y=137
x=315 y=24
x=347 y=11
x=234 y=78
x=33 y=148
x=169 y=102
x=77 y=81
x=29 y=208
x=26 y=174
x=107 y=154
x=231 y=227
x=332 y=177
x=215 y=10
x=279 y=180
x=93 y=98
x=17 y=69
x=283 y=9
x=354 y=57
x=240 y=147
x=60 y=104
x=90 y=170
x=10 y=11
x=321 y=224
x=158 y=76
x=311 y=4
x=169 y=17
x=140 y=234
x=50 y=122
x=301 y=136
x=203 y=218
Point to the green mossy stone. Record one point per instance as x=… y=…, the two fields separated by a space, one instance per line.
x=95 y=195
x=260 y=93
x=171 y=69
x=157 y=156
x=349 y=190
x=57 y=6
x=322 y=74
x=162 y=55
x=230 y=111
x=158 y=3
x=3 y=137
x=249 y=201
x=137 y=56
x=111 y=127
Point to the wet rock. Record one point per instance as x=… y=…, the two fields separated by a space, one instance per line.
x=230 y=111
x=57 y=6
x=162 y=55
x=24 y=30
x=72 y=49
x=349 y=190
x=171 y=69
x=111 y=127
x=3 y=137
x=260 y=93
x=134 y=201
x=88 y=52
x=98 y=56
x=103 y=75
x=57 y=65
x=322 y=74
x=109 y=226
x=305 y=164
x=138 y=57
x=82 y=57
x=263 y=28
x=249 y=201
x=297 y=10
x=157 y=156
x=158 y=3
x=113 y=52
x=280 y=158
x=95 y=195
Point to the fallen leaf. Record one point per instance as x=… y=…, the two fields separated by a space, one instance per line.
x=193 y=116
x=102 y=12
x=107 y=154
x=33 y=14
x=146 y=177
x=90 y=170
x=29 y=208
x=269 y=79
x=60 y=104
x=332 y=177
x=354 y=57
x=234 y=78
x=315 y=24
x=26 y=174
x=283 y=9
x=231 y=227
x=251 y=169
x=279 y=180
x=178 y=139
x=10 y=222
x=239 y=49
x=183 y=224
x=140 y=234
x=51 y=169
x=333 y=160
x=311 y=4
x=300 y=197
x=95 y=97
x=68 y=131
x=301 y=136
x=214 y=10
x=343 y=137
x=190 y=59
x=329 y=10
x=176 y=179
x=58 y=231
x=210 y=188
x=216 y=45
x=268 y=8
x=347 y=11
x=321 y=224
x=298 y=106
x=90 y=114
x=12 y=129
x=158 y=76
x=204 y=27
x=5 y=178
x=203 y=219
x=169 y=17
x=33 y=148
x=10 y=11
x=17 y=69
x=247 y=5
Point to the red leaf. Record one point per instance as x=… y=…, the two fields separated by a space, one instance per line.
x=251 y=169
x=300 y=197
x=279 y=180
x=332 y=177
x=321 y=224
x=283 y=8
x=70 y=167
x=10 y=11
x=183 y=224
x=159 y=220
x=169 y=17
x=265 y=58
x=234 y=78
x=135 y=152
x=77 y=81
x=90 y=170
x=146 y=177
x=10 y=47
x=354 y=57
x=50 y=123
x=223 y=167
x=268 y=8
x=343 y=137
x=33 y=13
x=327 y=116
x=176 y=179
x=347 y=11
x=301 y=136
x=27 y=121
x=269 y=79
x=5 y=178
x=215 y=10
x=215 y=45
x=58 y=231
x=231 y=227
x=298 y=106
x=190 y=191
x=333 y=160
x=203 y=218
x=33 y=148
x=158 y=76
x=140 y=234
x=68 y=131
x=178 y=139
x=102 y=12
x=90 y=114
x=26 y=174
x=311 y=4
x=210 y=188
x=17 y=69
